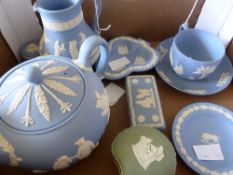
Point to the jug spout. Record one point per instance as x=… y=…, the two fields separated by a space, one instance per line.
x=54 y=7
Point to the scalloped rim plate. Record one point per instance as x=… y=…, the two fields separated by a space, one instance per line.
x=132 y=67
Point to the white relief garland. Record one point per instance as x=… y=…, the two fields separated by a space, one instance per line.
x=63 y=26
x=9 y=149
x=85 y=147
x=179 y=141
x=204 y=71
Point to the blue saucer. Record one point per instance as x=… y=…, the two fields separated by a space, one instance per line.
x=203 y=124
x=215 y=83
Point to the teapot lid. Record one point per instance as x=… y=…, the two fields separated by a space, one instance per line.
x=41 y=93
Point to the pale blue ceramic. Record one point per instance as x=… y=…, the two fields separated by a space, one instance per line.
x=65 y=28
x=53 y=112
x=139 y=53
x=195 y=54
x=213 y=84
x=144 y=101
x=204 y=124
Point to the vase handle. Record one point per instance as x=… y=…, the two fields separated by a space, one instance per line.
x=86 y=49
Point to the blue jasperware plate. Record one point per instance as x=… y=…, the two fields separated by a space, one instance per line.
x=215 y=83
x=141 y=56
x=203 y=124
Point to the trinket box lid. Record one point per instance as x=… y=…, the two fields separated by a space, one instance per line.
x=40 y=93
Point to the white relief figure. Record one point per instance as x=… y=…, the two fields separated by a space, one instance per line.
x=209 y=138
x=73 y=49
x=58 y=48
x=102 y=102
x=162 y=52
x=145 y=98
x=123 y=50
x=146 y=153
x=82 y=37
x=62 y=163
x=225 y=77
x=178 y=68
x=139 y=61
x=85 y=148
x=204 y=71
x=6 y=147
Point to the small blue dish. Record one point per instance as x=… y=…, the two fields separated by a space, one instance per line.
x=140 y=55
x=213 y=84
x=204 y=124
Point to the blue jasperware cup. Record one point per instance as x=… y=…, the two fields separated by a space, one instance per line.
x=195 y=54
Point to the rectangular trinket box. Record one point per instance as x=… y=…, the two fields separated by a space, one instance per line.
x=144 y=102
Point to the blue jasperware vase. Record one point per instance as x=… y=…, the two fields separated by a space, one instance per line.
x=65 y=28
x=53 y=111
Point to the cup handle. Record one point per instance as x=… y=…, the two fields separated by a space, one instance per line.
x=184 y=26
x=86 y=49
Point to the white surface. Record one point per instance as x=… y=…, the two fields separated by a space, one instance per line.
x=118 y=64
x=18 y=23
x=208 y=152
x=215 y=17
x=114 y=93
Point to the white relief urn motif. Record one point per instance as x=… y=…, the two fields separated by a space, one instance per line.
x=123 y=50
x=146 y=153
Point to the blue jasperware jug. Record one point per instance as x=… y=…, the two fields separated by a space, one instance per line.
x=53 y=112
x=65 y=28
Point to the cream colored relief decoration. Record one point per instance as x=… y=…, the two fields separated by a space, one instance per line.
x=145 y=98
x=39 y=93
x=179 y=69
x=225 y=77
x=74 y=79
x=58 y=48
x=55 y=70
x=85 y=147
x=62 y=163
x=139 y=61
x=18 y=99
x=210 y=137
x=27 y=119
x=32 y=48
x=82 y=37
x=146 y=153
x=102 y=103
x=64 y=106
x=48 y=64
x=9 y=149
x=73 y=49
x=164 y=77
x=203 y=71
x=84 y=68
x=59 y=87
x=42 y=102
x=123 y=50
x=196 y=91
x=63 y=26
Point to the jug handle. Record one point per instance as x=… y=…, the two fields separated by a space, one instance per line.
x=86 y=49
x=98 y=10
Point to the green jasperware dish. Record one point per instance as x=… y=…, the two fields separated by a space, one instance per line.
x=143 y=150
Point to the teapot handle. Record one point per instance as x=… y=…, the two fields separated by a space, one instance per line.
x=98 y=10
x=86 y=49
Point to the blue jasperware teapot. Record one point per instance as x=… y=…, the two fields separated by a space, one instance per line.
x=65 y=28
x=53 y=111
